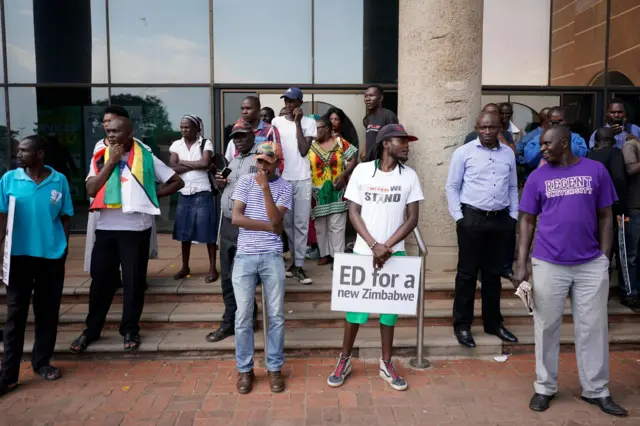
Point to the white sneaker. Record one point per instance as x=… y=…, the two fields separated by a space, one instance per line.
x=389 y=374
x=343 y=369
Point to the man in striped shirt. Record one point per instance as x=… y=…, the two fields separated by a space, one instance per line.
x=260 y=201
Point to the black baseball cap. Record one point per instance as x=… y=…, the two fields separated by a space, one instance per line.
x=394 y=131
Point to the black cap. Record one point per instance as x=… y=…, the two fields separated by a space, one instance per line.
x=394 y=131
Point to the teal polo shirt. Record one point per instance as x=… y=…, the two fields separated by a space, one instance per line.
x=37 y=229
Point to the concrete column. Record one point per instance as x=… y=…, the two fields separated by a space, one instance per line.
x=439 y=89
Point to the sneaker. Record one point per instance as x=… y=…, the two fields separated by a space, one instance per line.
x=389 y=373
x=313 y=253
x=343 y=369
x=300 y=275
x=289 y=272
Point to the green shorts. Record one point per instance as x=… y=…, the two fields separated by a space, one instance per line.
x=385 y=319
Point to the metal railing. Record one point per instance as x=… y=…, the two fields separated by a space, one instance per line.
x=420 y=361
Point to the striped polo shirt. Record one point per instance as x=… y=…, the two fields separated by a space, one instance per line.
x=248 y=191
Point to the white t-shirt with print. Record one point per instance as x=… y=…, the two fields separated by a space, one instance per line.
x=115 y=219
x=384 y=198
x=297 y=166
x=195 y=180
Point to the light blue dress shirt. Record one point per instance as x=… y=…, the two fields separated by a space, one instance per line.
x=483 y=178
x=532 y=155
x=621 y=137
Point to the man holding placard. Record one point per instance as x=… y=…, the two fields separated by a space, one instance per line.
x=380 y=193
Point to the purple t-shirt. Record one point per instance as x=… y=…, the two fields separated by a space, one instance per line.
x=567 y=200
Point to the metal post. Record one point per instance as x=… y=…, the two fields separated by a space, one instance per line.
x=419 y=361
x=265 y=322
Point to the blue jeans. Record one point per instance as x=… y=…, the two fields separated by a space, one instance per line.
x=632 y=237
x=247 y=270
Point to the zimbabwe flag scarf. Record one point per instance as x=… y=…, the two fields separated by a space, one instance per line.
x=140 y=162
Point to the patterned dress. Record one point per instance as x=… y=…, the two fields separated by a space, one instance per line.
x=326 y=166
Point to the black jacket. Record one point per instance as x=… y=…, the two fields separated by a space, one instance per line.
x=611 y=157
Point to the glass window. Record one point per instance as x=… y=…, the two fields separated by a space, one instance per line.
x=75 y=31
x=380 y=41
x=258 y=41
x=156 y=114
x=526 y=108
x=62 y=120
x=338 y=41
x=353 y=107
x=624 y=43
x=7 y=145
x=515 y=43
x=578 y=35
x=160 y=44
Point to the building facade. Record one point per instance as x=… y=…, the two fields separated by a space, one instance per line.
x=63 y=61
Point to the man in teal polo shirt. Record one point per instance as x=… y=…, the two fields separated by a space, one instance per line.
x=38 y=253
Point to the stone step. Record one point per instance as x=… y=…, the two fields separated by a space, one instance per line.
x=172 y=315
x=194 y=289
x=439 y=342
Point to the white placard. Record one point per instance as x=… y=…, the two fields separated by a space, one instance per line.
x=6 y=261
x=359 y=287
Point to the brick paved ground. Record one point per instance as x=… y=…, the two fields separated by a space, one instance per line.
x=202 y=392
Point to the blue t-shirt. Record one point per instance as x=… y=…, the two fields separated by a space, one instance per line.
x=249 y=192
x=37 y=228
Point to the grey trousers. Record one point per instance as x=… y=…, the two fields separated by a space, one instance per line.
x=296 y=220
x=330 y=233
x=588 y=287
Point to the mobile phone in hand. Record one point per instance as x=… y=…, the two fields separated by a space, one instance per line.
x=225 y=172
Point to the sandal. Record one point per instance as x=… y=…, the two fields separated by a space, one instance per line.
x=6 y=388
x=132 y=342
x=212 y=278
x=182 y=274
x=49 y=372
x=80 y=344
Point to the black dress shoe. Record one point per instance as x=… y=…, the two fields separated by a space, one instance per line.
x=504 y=335
x=465 y=338
x=607 y=405
x=219 y=334
x=540 y=402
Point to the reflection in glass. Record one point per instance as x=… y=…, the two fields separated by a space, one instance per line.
x=168 y=43
x=67 y=126
x=7 y=145
x=42 y=32
x=578 y=36
x=624 y=43
x=338 y=39
x=257 y=41
x=353 y=107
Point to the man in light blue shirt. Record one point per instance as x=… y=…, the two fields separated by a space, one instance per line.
x=40 y=236
x=557 y=116
x=543 y=115
x=482 y=192
x=617 y=120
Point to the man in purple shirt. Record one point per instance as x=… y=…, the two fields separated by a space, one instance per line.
x=571 y=197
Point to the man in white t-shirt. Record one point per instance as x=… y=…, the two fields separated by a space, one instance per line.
x=296 y=135
x=122 y=182
x=381 y=193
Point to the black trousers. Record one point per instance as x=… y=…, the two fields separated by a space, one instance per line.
x=45 y=278
x=483 y=242
x=112 y=251
x=228 y=246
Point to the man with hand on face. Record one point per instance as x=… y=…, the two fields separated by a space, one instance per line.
x=296 y=134
x=571 y=198
x=382 y=229
x=617 y=120
x=122 y=183
x=260 y=203
x=482 y=192
x=377 y=117
x=243 y=164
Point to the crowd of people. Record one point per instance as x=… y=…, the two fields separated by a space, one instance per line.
x=285 y=174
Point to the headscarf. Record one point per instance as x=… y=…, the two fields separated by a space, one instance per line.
x=197 y=122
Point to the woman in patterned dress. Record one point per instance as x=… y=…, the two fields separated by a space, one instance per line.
x=332 y=160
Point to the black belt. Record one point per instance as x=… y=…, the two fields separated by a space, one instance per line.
x=486 y=212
